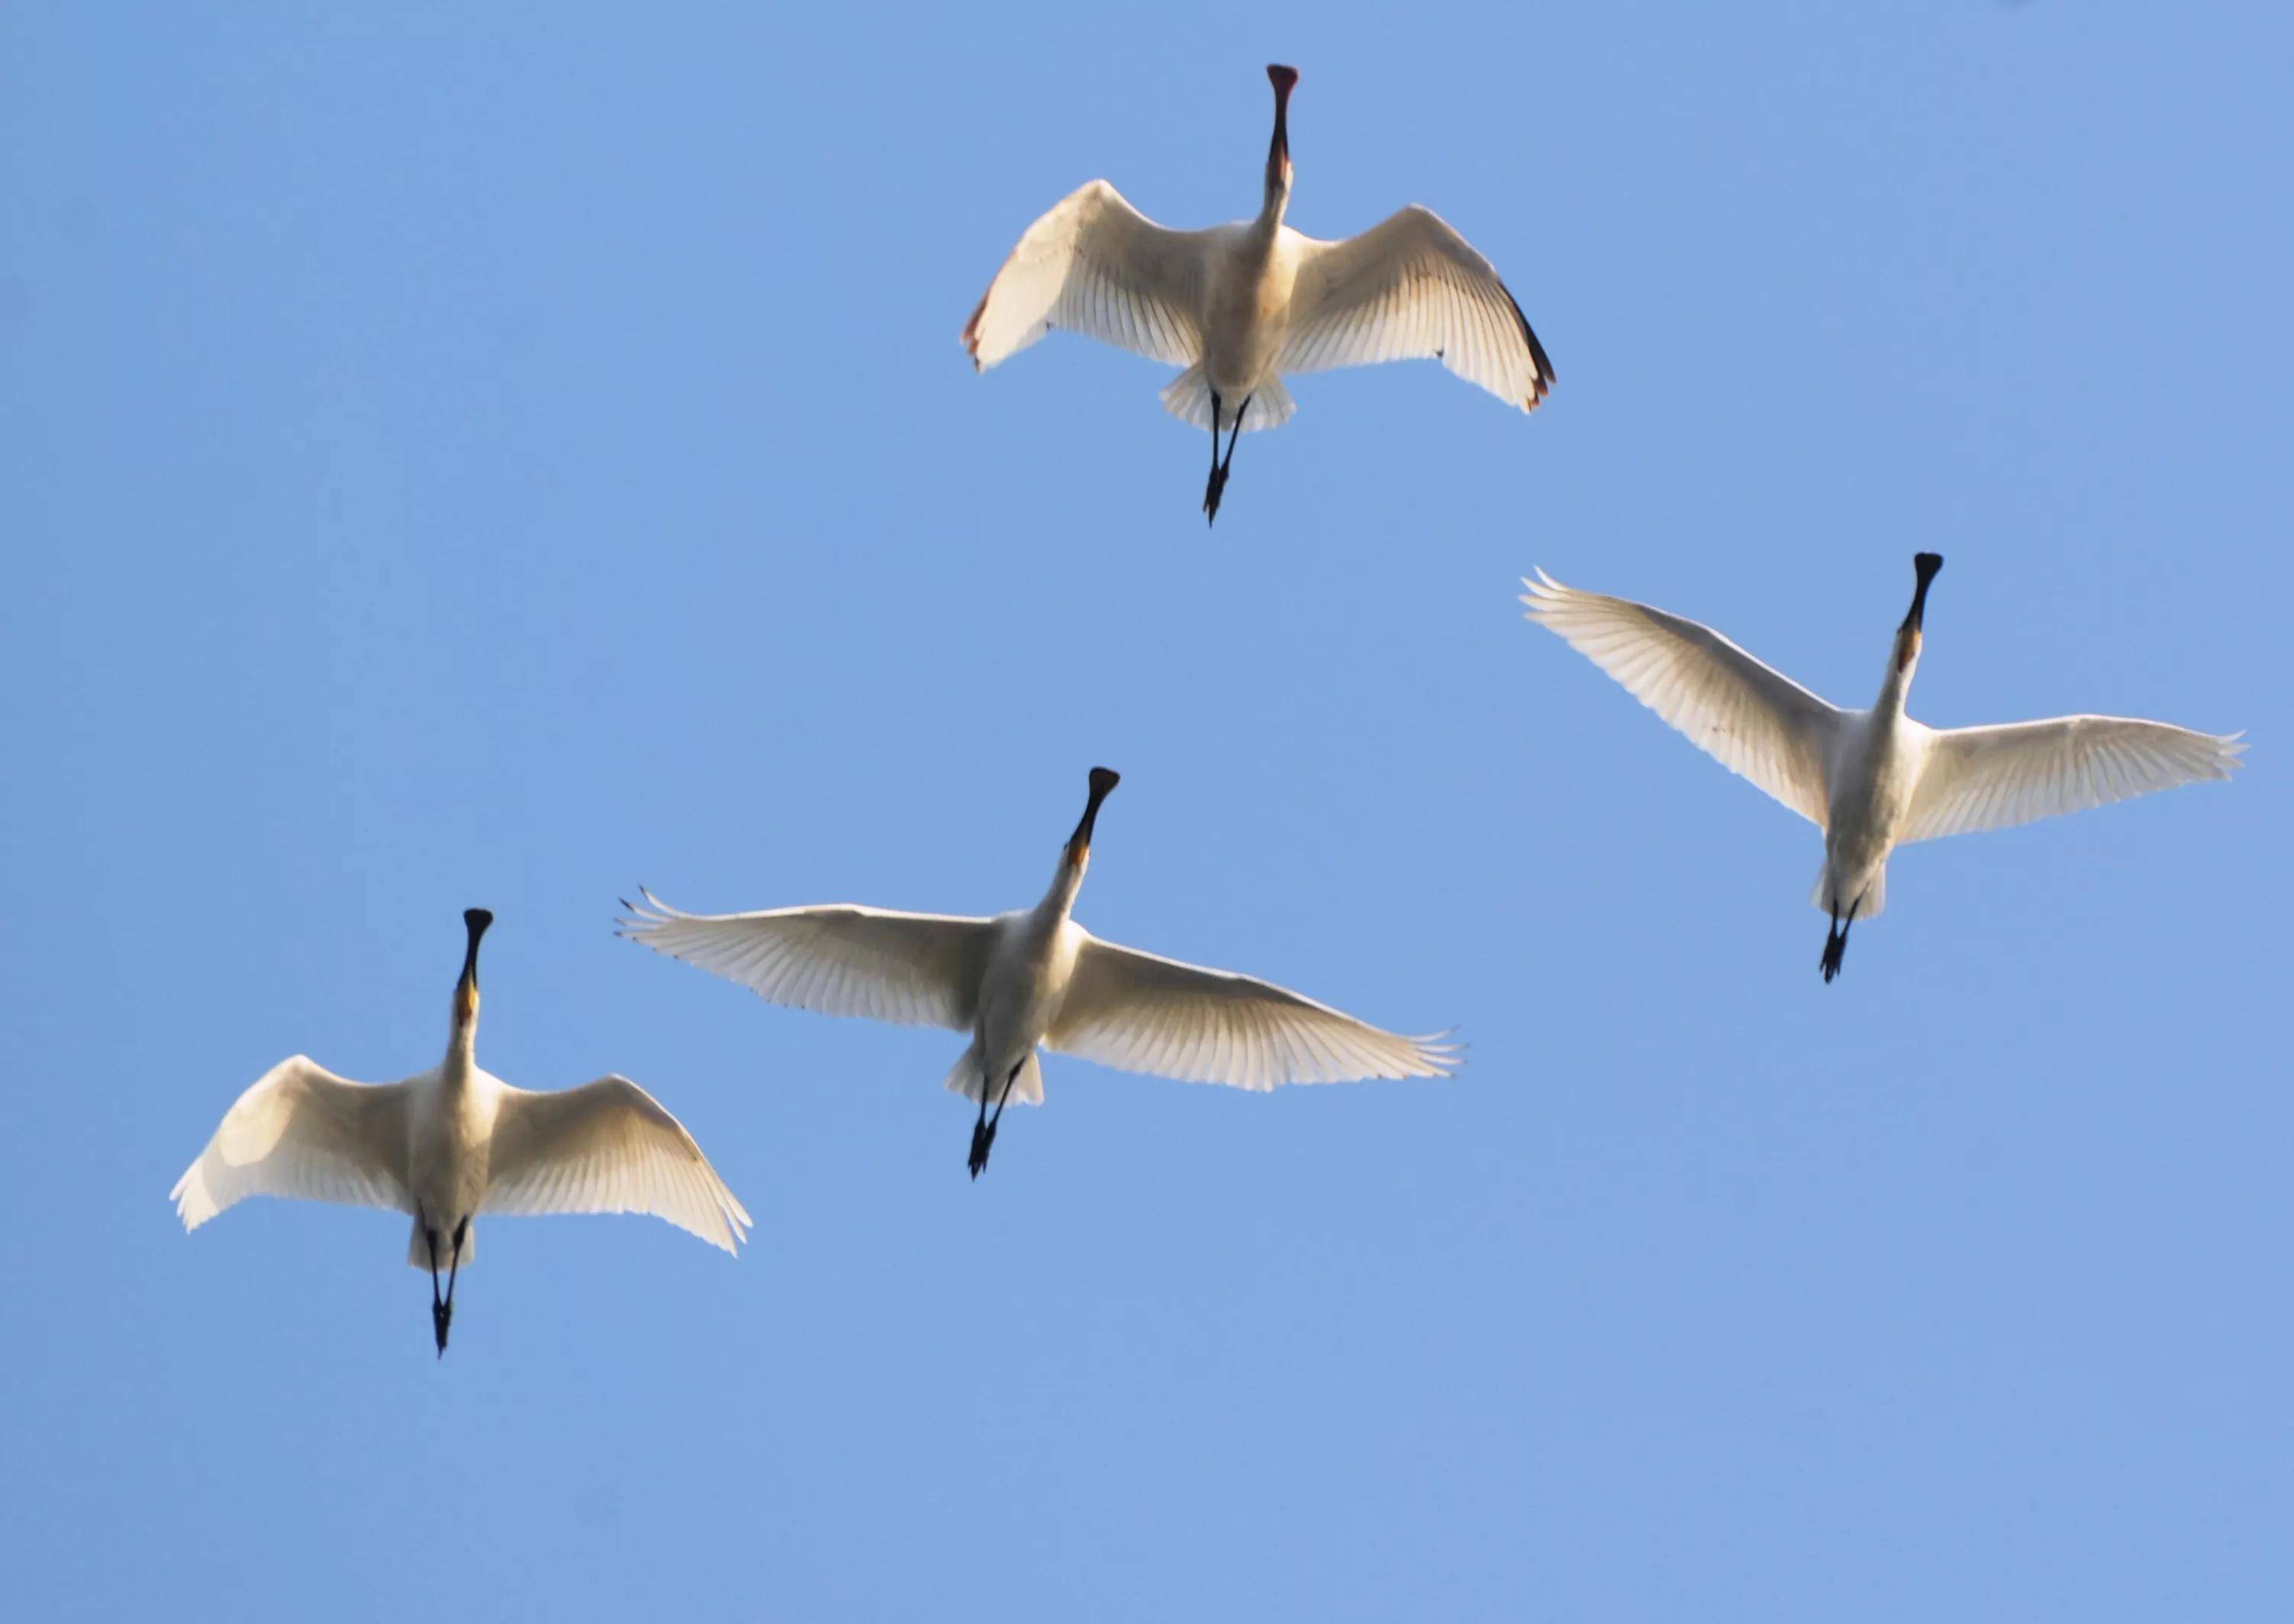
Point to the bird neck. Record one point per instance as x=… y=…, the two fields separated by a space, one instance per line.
x=462 y=1037
x=1903 y=663
x=1276 y=200
x=1067 y=882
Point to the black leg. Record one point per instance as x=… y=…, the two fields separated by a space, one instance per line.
x=1835 y=939
x=1241 y=412
x=983 y=1136
x=1211 y=492
x=979 y=1131
x=439 y=1313
x=1220 y=470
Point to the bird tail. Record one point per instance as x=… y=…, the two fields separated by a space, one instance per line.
x=1188 y=398
x=1875 y=894
x=966 y=1078
x=417 y=1248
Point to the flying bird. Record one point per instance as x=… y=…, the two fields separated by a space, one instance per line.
x=1241 y=307
x=1031 y=978
x=455 y=1141
x=1872 y=780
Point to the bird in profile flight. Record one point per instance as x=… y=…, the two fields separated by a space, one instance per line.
x=455 y=1141
x=1241 y=307
x=1030 y=978
x=1872 y=780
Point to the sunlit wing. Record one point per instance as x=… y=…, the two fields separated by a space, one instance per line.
x=919 y=970
x=1754 y=720
x=302 y=1131
x=1138 y=1013
x=1411 y=288
x=1979 y=778
x=1095 y=265
x=606 y=1147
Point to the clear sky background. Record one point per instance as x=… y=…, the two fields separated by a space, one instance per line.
x=504 y=456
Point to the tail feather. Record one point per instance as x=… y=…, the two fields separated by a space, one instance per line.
x=1875 y=896
x=965 y=1077
x=1188 y=398
x=417 y=1248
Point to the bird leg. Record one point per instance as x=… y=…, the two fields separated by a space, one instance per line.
x=983 y=1135
x=1835 y=940
x=1219 y=471
x=1212 y=491
x=441 y=1309
x=979 y=1131
x=440 y=1314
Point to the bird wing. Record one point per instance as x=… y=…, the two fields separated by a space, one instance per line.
x=1138 y=1013
x=1408 y=288
x=606 y=1147
x=919 y=970
x=1095 y=265
x=1979 y=778
x=305 y=1132
x=1754 y=720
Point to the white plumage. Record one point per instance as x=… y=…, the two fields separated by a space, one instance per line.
x=1240 y=306
x=1872 y=780
x=450 y=1142
x=1033 y=978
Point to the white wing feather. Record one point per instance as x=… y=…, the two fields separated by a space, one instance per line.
x=1095 y=265
x=1755 y=721
x=606 y=1147
x=1977 y=778
x=918 y=969
x=1139 y=1012
x=302 y=1131
x=1410 y=287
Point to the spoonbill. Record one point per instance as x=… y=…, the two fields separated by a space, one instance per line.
x=1242 y=305
x=1030 y=978
x=454 y=1141
x=1872 y=780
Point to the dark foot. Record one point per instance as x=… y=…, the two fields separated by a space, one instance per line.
x=1211 y=494
x=1835 y=948
x=441 y=1316
x=983 y=1140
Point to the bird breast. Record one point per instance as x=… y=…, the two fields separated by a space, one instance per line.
x=1027 y=980
x=1246 y=315
x=1873 y=794
x=450 y=1124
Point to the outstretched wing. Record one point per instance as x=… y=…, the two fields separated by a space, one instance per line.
x=1095 y=265
x=1754 y=720
x=606 y=1147
x=1408 y=288
x=919 y=970
x=1979 y=778
x=1139 y=1012
x=302 y=1131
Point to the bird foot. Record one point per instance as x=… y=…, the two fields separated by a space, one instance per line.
x=983 y=1140
x=1211 y=494
x=442 y=1317
x=1835 y=949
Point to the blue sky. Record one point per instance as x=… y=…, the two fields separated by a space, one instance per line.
x=504 y=458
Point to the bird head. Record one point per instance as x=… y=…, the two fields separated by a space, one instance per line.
x=1924 y=566
x=1278 y=151
x=1076 y=856
x=466 y=990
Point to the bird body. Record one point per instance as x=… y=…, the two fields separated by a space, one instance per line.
x=449 y=1143
x=1036 y=979
x=1873 y=780
x=1240 y=306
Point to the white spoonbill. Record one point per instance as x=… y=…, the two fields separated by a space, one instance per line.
x=1240 y=305
x=1872 y=780
x=456 y=1142
x=1035 y=977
